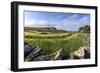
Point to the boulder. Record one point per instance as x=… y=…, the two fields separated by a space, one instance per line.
x=43 y=58
x=61 y=55
x=81 y=53
x=35 y=53
x=40 y=58
x=87 y=53
x=58 y=55
x=28 y=49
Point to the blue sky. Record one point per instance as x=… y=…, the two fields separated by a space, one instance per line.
x=61 y=21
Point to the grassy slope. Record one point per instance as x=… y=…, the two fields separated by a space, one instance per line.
x=51 y=41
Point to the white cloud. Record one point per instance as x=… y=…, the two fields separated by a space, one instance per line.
x=71 y=23
x=37 y=23
x=72 y=17
x=42 y=23
x=68 y=23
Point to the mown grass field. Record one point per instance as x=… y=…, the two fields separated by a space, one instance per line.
x=51 y=40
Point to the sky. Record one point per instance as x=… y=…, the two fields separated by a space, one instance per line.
x=61 y=21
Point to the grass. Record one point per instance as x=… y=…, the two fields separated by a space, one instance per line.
x=51 y=42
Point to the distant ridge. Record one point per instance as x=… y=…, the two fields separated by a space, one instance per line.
x=49 y=29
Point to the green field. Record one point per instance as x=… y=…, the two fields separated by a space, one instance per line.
x=51 y=40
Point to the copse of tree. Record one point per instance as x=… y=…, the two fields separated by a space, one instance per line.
x=85 y=29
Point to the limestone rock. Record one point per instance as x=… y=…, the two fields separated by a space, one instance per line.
x=35 y=52
x=61 y=54
x=81 y=53
x=28 y=49
x=87 y=53
x=44 y=58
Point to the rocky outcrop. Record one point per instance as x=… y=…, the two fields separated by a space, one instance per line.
x=58 y=55
x=34 y=53
x=87 y=53
x=44 y=58
x=61 y=55
x=81 y=53
x=28 y=49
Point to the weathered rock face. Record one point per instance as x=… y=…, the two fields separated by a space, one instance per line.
x=82 y=53
x=58 y=55
x=86 y=37
x=87 y=53
x=44 y=58
x=28 y=49
x=61 y=55
x=40 y=58
x=34 y=53
x=79 y=53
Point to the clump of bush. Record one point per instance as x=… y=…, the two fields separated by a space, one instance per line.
x=85 y=29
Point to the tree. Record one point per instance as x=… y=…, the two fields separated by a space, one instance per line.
x=85 y=29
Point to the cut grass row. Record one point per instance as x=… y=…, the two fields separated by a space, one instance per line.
x=49 y=46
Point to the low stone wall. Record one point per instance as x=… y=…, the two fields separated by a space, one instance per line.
x=35 y=54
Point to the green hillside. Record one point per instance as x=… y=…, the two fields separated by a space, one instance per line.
x=51 y=39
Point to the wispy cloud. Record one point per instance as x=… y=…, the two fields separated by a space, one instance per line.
x=73 y=23
x=64 y=21
x=37 y=23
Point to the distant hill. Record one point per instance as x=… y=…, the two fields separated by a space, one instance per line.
x=46 y=29
x=52 y=28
